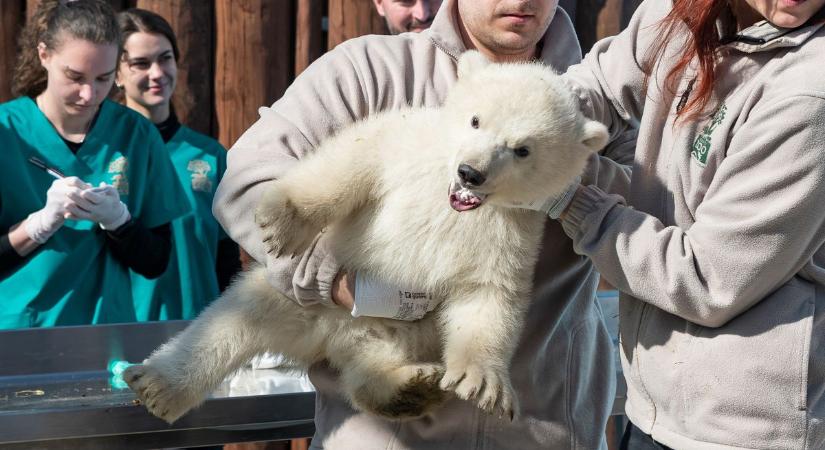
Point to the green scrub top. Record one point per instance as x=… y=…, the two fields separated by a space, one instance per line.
x=190 y=282
x=73 y=279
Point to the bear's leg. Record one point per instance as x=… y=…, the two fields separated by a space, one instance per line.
x=380 y=378
x=317 y=192
x=248 y=319
x=481 y=329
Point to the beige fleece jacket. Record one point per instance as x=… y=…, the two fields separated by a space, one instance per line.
x=719 y=255
x=562 y=370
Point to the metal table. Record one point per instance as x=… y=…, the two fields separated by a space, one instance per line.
x=56 y=392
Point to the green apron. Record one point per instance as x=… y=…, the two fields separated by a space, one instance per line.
x=190 y=282
x=73 y=279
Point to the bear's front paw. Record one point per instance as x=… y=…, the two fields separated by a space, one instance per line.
x=158 y=393
x=283 y=230
x=488 y=386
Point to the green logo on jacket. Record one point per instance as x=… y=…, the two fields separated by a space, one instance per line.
x=701 y=146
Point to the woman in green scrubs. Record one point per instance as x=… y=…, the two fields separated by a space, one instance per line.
x=203 y=258
x=87 y=190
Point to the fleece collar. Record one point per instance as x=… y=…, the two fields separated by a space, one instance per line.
x=763 y=36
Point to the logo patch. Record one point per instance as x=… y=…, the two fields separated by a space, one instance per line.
x=118 y=169
x=200 y=175
x=701 y=146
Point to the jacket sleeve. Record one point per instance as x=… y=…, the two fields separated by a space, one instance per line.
x=610 y=82
x=611 y=168
x=760 y=222
x=325 y=97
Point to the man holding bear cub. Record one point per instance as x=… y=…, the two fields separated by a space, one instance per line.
x=563 y=369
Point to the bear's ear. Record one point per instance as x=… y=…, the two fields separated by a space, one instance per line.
x=594 y=135
x=470 y=62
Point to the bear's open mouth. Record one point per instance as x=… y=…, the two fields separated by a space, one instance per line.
x=463 y=199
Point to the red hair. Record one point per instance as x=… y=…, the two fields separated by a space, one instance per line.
x=697 y=20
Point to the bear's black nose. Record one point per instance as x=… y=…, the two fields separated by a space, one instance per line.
x=470 y=176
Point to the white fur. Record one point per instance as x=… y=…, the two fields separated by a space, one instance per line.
x=380 y=190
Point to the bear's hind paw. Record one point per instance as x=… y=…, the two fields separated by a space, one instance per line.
x=158 y=393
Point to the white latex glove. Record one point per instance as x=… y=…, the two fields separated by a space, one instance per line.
x=553 y=206
x=42 y=224
x=102 y=205
x=377 y=299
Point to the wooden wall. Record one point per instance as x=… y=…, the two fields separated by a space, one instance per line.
x=239 y=55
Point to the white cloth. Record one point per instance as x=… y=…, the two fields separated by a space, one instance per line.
x=377 y=299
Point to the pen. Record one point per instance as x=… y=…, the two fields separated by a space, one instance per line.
x=51 y=171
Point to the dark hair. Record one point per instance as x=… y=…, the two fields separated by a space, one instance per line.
x=136 y=20
x=90 y=20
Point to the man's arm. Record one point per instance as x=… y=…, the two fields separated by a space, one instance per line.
x=326 y=97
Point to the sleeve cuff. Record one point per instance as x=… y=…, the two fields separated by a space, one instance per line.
x=308 y=279
x=586 y=201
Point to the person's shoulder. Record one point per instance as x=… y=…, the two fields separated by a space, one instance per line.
x=386 y=50
x=199 y=140
x=123 y=115
x=16 y=110
x=797 y=71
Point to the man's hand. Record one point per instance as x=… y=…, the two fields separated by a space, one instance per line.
x=364 y=296
x=343 y=290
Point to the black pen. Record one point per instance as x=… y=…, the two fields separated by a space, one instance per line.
x=49 y=170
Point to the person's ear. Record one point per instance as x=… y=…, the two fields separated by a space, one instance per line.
x=379 y=7
x=43 y=54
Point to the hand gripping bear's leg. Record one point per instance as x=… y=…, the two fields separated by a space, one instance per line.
x=319 y=191
x=482 y=328
x=243 y=322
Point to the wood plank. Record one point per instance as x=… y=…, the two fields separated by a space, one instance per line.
x=31 y=5
x=253 y=61
x=352 y=18
x=192 y=22
x=11 y=21
x=309 y=35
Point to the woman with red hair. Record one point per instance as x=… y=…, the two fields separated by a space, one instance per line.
x=718 y=248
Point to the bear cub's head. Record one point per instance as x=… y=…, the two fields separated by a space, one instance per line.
x=516 y=133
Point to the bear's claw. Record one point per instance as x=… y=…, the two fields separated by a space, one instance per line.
x=283 y=231
x=491 y=390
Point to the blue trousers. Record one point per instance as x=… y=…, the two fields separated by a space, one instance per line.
x=634 y=439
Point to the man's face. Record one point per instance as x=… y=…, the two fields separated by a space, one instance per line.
x=407 y=15
x=506 y=27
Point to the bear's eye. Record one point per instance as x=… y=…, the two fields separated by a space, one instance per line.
x=522 y=151
x=474 y=122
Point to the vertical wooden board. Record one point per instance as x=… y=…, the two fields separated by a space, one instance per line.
x=352 y=18
x=309 y=44
x=609 y=21
x=11 y=21
x=31 y=5
x=253 y=61
x=192 y=22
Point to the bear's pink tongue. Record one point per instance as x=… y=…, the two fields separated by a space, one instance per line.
x=464 y=200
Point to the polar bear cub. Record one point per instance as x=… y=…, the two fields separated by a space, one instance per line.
x=415 y=197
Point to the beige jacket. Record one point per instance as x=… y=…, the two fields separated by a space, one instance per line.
x=720 y=259
x=563 y=369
